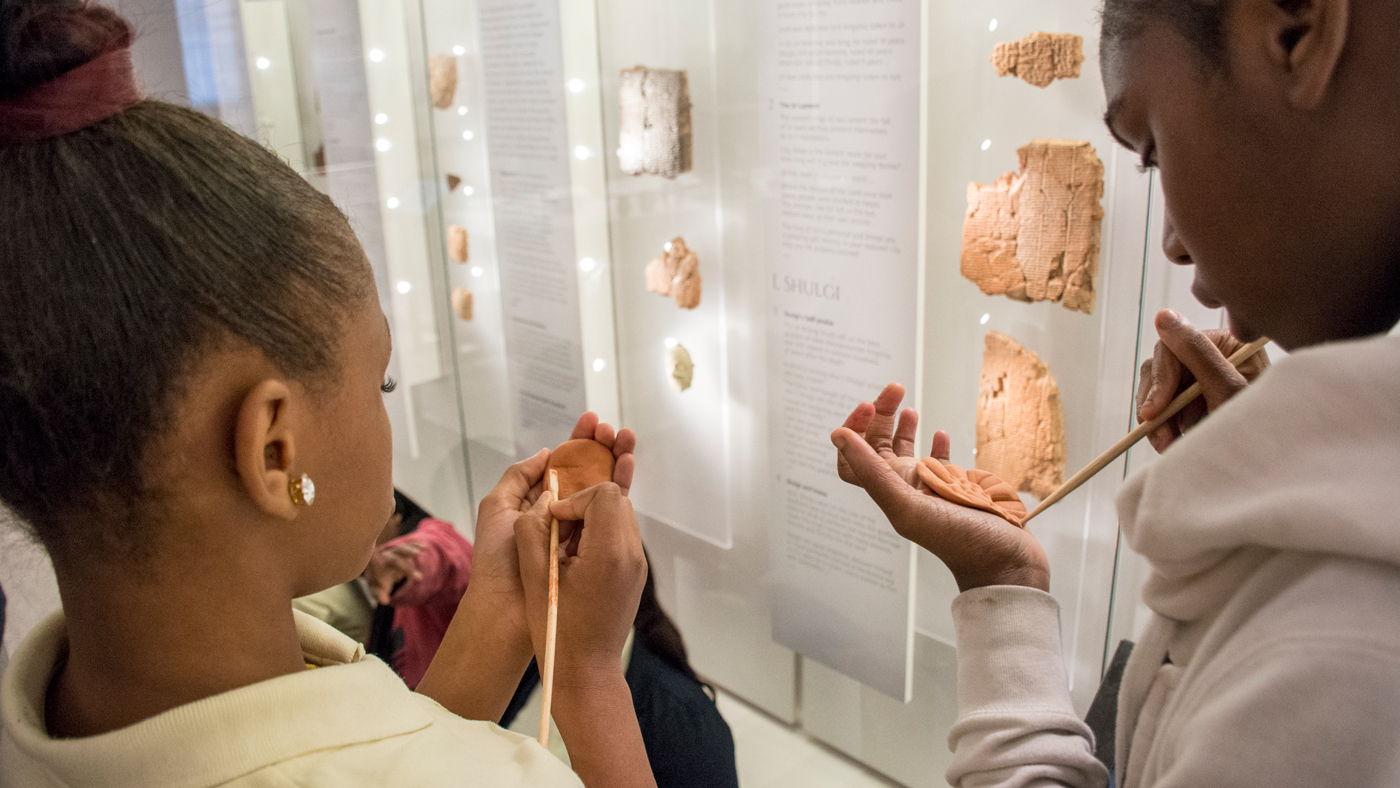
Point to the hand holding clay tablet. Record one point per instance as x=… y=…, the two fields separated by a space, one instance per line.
x=974 y=488
x=581 y=463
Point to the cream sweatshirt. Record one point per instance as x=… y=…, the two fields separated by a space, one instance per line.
x=1273 y=655
x=350 y=722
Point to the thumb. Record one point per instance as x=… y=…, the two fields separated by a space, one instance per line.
x=872 y=473
x=532 y=540
x=1218 y=377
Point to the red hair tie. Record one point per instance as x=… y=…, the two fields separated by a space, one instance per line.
x=76 y=99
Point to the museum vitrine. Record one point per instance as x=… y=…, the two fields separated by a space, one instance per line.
x=724 y=223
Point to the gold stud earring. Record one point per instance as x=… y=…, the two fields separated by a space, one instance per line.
x=303 y=490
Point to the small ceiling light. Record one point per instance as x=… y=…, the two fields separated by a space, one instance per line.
x=992 y=26
x=468 y=191
x=587 y=264
x=382 y=144
x=986 y=144
x=582 y=152
x=404 y=287
x=376 y=55
x=599 y=364
x=264 y=63
x=392 y=202
x=462 y=110
x=477 y=271
x=671 y=342
x=459 y=50
x=985 y=318
x=577 y=85
x=467 y=135
x=381 y=118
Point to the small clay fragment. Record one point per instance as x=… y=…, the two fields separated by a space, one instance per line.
x=680 y=370
x=457 y=243
x=1034 y=235
x=654 y=122
x=676 y=273
x=1020 y=420
x=442 y=79
x=581 y=463
x=462 y=302
x=1040 y=58
x=453 y=182
x=975 y=488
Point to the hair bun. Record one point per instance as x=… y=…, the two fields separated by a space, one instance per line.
x=42 y=39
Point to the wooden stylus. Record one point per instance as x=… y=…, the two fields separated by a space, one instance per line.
x=1146 y=428
x=551 y=617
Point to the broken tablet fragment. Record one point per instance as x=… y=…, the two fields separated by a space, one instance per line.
x=1040 y=58
x=676 y=273
x=442 y=80
x=1020 y=420
x=1034 y=235
x=457 y=246
x=462 y=302
x=680 y=370
x=654 y=122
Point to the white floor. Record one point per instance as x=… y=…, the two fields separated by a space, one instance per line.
x=774 y=755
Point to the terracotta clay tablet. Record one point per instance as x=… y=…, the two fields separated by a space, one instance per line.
x=654 y=122
x=581 y=463
x=453 y=182
x=676 y=273
x=457 y=246
x=1020 y=420
x=680 y=370
x=974 y=488
x=1033 y=235
x=462 y=302
x=442 y=79
x=1040 y=58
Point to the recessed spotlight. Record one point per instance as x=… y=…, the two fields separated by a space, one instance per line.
x=381 y=118
x=376 y=55
x=392 y=202
x=459 y=50
x=477 y=271
x=599 y=364
x=404 y=287
x=264 y=63
x=462 y=110
x=587 y=264
x=582 y=152
x=467 y=135
x=992 y=25
x=671 y=342
x=577 y=85
x=985 y=318
x=468 y=191
x=986 y=144
x=382 y=144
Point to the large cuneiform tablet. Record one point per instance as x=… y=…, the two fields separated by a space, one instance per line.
x=654 y=127
x=1034 y=235
x=1020 y=421
x=442 y=80
x=1040 y=58
x=676 y=273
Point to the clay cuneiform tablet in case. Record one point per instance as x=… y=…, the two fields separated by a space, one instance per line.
x=581 y=463
x=462 y=302
x=654 y=123
x=453 y=182
x=442 y=79
x=676 y=273
x=1020 y=421
x=1040 y=58
x=1034 y=235
x=680 y=370
x=457 y=246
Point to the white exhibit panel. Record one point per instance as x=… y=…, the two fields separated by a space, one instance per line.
x=683 y=444
x=841 y=123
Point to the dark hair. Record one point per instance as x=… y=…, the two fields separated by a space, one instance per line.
x=409 y=511
x=126 y=249
x=1200 y=22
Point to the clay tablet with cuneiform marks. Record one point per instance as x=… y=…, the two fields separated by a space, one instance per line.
x=581 y=463
x=462 y=301
x=676 y=273
x=654 y=122
x=1040 y=58
x=1020 y=421
x=457 y=243
x=1034 y=234
x=442 y=79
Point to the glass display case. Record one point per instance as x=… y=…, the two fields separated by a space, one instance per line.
x=722 y=223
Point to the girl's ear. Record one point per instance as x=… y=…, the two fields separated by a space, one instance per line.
x=265 y=448
x=1304 y=40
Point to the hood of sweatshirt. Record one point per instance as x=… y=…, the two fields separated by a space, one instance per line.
x=1307 y=459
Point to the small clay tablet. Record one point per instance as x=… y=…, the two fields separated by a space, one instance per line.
x=581 y=463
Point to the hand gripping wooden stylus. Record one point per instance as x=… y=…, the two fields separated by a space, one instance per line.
x=551 y=617
x=1147 y=428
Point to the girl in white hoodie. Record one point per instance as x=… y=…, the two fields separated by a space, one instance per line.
x=1273 y=657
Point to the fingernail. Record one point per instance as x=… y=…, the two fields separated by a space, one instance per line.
x=1171 y=318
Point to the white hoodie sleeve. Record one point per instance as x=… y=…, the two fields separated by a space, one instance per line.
x=1016 y=726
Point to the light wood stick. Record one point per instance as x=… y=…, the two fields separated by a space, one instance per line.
x=1146 y=428
x=551 y=618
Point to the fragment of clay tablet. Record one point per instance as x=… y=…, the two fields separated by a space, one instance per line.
x=581 y=463
x=442 y=79
x=1033 y=235
x=975 y=488
x=654 y=135
x=1020 y=420
x=462 y=302
x=680 y=370
x=659 y=273
x=676 y=273
x=457 y=243
x=453 y=182
x=1040 y=58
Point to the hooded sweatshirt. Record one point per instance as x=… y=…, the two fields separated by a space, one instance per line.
x=1273 y=655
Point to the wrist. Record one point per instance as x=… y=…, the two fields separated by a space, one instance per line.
x=489 y=621
x=1029 y=575
x=583 y=692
